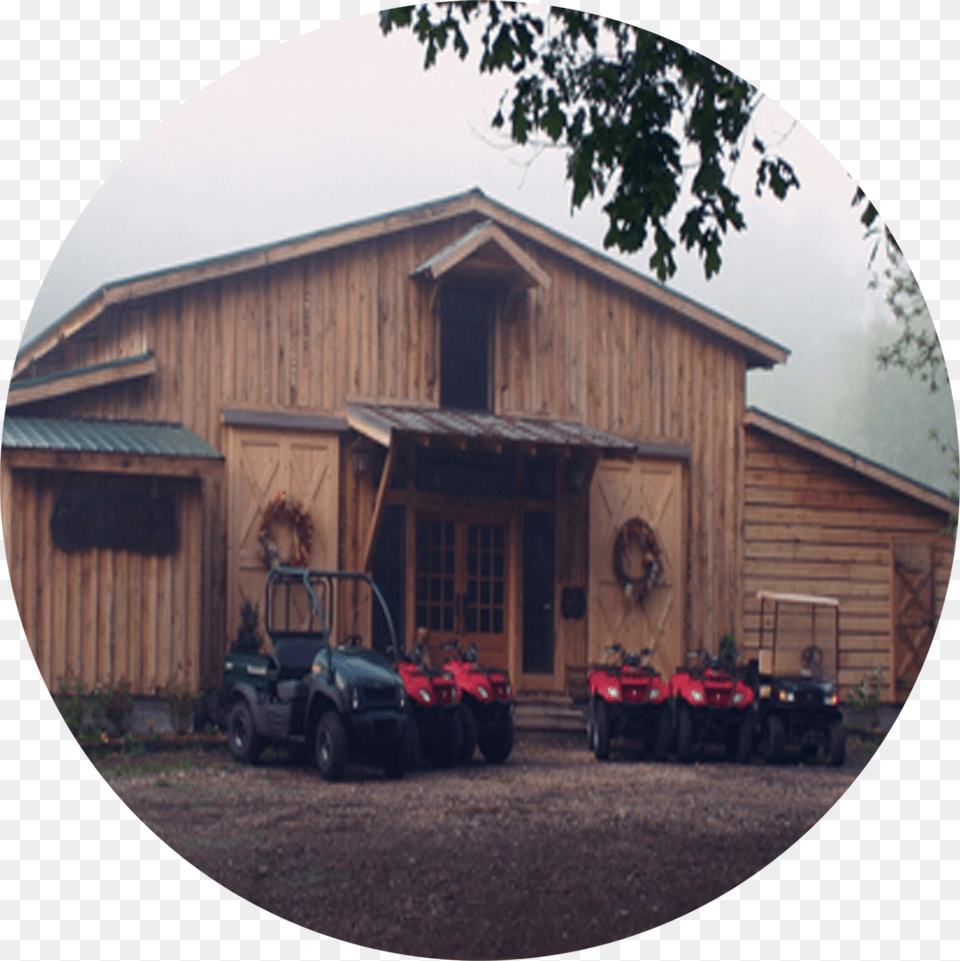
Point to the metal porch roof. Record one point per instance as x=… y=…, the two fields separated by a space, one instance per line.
x=379 y=423
x=131 y=438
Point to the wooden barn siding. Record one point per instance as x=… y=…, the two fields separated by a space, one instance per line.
x=812 y=527
x=103 y=617
x=350 y=324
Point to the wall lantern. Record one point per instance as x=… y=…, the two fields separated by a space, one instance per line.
x=576 y=471
x=361 y=453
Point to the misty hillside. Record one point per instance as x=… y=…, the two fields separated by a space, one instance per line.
x=836 y=389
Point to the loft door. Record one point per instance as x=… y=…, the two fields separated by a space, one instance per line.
x=461 y=585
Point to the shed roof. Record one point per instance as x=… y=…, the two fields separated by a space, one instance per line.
x=380 y=423
x=104 y=437
x=760 y=351
x=822 y=447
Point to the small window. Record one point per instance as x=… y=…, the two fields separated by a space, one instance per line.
x=466 y=349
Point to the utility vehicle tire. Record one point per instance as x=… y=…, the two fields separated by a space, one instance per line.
x=684 y=732
x=469 y=742
x=330 y=747
x=446 y=741
x=662 y=735
x=401 y=756
x=245 y=743
x=774 y=739
x=837 y=751
x=496 y=745
x=601 y=730
x=745 y=739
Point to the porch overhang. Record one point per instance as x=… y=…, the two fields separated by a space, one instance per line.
x=477 y=429
x=109 y=447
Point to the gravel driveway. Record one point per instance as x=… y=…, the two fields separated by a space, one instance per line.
x=552 y=852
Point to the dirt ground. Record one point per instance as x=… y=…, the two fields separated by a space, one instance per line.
x=552 y=852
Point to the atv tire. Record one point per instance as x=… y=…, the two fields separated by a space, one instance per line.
x=445 y=742
x=740 y=741
x=684 y=732
x=468 y=743
x=601 y=730
x=497 y=744
x=837 y=748
x=330 y=747
x=662 y=733
x=245 y=743
x=774 y=740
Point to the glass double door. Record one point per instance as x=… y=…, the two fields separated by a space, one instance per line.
x=461 y=584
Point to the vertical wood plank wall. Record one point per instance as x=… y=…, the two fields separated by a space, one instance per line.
x=102 y=617
x=351 y=324
x=813 y=527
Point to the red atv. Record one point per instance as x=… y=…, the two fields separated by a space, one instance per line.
x=486 y=699
x=433 y=700
x=629 y=700
x=711 y=706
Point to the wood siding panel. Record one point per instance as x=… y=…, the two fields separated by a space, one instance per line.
x=812 y=527
x=101 y=617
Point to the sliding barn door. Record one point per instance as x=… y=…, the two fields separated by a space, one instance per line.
x=260 y=464
x=652 y=491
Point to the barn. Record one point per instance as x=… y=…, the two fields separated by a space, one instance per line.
x=474 y=408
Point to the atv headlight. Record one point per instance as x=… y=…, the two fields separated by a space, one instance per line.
x=483 y=692
x=355 y=698
x=787 y=697
x=737 y=697
x=614 y=692
x=696 y=695
x=425 y=695
x=401 y=698
x=832 y=699
x=654 y=694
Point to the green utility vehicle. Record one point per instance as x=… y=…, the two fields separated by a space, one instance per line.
x=316 y=691
x=795 y=678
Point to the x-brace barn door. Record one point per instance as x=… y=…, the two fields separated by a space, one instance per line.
x=261 y=463
x=653 y=491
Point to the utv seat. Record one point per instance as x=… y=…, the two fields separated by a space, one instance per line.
x=294 y=654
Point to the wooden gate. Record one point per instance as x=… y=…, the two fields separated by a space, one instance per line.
x=653 y=491
x=260 y=464
x=921 y=570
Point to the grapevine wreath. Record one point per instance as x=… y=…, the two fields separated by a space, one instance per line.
x=637 y=537
x=285 y=510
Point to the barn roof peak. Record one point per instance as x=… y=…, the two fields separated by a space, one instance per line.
x=505 y=224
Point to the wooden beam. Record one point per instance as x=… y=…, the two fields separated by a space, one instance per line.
x=106 y=463
x=378 y=509
x=73 y=382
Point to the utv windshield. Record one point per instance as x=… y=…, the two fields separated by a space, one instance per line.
x=799 y=635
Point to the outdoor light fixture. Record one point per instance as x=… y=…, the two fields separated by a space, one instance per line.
x=576 y=471
x=362 y=455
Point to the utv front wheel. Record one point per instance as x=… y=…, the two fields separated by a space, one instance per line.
x=838 y=744
x=740 y=742
x=245 y=744
x=330 y=747
x=601 y=730
x=774 y=740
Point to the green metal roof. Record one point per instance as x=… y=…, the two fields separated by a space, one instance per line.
x=136 y=438
x=77 y=371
